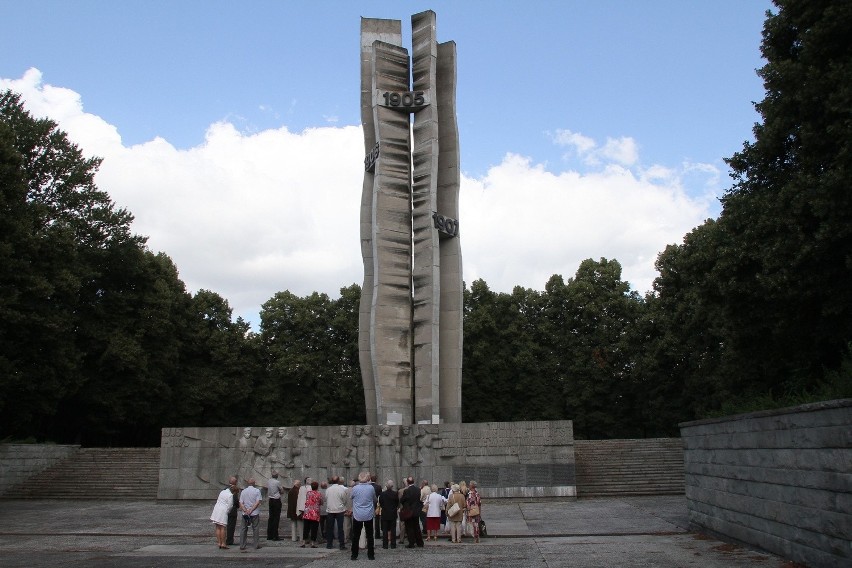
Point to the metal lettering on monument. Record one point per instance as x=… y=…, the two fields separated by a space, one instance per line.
x=410 y=322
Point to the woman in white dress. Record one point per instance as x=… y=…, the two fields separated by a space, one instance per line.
x=435 y=502
x=220 y=515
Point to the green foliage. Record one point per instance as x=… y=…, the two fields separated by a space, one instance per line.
x=100 y=342
x=311 y=350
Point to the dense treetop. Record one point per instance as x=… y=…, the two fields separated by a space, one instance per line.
x=101 y=344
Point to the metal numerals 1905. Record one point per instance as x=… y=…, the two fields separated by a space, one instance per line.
x=408 y=99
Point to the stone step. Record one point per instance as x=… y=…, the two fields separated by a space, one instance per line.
x=109 y=473
x=629 y=467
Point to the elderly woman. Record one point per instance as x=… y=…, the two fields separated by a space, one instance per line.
x=311 y=515
x=220 y=514
x=434 y=502
x=389 y=504
x=455 y=519
x=474 y=503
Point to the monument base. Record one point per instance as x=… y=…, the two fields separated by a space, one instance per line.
x=506 y=459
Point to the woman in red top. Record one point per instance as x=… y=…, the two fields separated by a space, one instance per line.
x=311 y=516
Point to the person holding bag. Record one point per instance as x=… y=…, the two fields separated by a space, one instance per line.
x=456 y=506
x=474 y=503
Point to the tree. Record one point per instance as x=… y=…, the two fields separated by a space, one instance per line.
x=788 y=217
x=311 y=349
x=58 y=222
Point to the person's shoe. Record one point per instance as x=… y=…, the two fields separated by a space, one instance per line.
x=302 y=545
x=313 y=546
x=328 y=546
x=371 y=557
x=342 y=547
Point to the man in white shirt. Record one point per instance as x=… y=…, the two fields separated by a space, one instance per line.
x=273 y=492
x=250 y=500
x=336 y=508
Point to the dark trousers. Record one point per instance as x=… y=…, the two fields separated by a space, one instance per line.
x=310 y=531
x=274 y=519
x=334 y=519
x=357 y=527
x=388 y=533
x=322 y=527
x=232 y=526
x=412 y=532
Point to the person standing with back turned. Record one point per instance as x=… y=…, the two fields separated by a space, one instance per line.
x=363 y=514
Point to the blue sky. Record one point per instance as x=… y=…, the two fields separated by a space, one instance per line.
x=616 y=114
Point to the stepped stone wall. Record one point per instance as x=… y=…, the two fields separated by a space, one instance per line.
x=652 y=466
x=109 y=473
x=507 y=459
x=780 y=480
x=19 y=462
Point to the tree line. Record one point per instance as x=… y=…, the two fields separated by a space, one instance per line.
x=101 y=343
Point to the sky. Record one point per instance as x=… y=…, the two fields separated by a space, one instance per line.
x=231 y=130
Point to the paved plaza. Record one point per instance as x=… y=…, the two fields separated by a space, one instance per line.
x=629 y=532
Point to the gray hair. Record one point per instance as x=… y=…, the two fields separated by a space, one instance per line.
x=389 y=484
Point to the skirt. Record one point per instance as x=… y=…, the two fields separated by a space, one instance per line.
x=433 y=523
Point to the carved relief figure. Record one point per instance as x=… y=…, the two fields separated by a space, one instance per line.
x=262 y=449
x=341 y=453
x=279 y=455
x=408 y=447
x=387 y=444
x=244 y=450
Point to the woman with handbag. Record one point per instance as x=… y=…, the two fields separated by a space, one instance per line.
x=434 y=502
x=456 y=506
x=474 y=502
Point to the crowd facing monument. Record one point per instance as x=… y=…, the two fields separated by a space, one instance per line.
x=359 y=512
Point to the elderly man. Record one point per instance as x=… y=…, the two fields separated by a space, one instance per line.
x=363 y=512
x=336 y=508
x=296 y=523
x=273 y=492
x=250 y=500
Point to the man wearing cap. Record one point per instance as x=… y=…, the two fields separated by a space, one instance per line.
x=273 y=492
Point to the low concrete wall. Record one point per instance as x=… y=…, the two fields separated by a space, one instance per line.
x=507 y=459
x=780 y=480
x=19 y=462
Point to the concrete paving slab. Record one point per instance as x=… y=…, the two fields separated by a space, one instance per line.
x=629 y=532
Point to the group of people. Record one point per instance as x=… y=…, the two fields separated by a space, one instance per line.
x=321 y=511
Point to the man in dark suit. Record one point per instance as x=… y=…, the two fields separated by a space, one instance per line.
x=232 y=514
x=410 y=503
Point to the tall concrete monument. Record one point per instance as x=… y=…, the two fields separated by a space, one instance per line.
x=410 y=337
x=410 y=325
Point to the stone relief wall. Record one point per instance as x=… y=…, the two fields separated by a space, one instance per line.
x=508 y=459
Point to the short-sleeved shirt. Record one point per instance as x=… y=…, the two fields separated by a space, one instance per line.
x=273 y=487
x=249 y=496
x=363 y=497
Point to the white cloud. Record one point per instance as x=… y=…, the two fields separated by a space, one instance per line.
x=622 y=150
x=248 y=215
x=521 y=223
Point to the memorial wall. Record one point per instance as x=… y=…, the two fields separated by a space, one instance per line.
x=507 y=459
